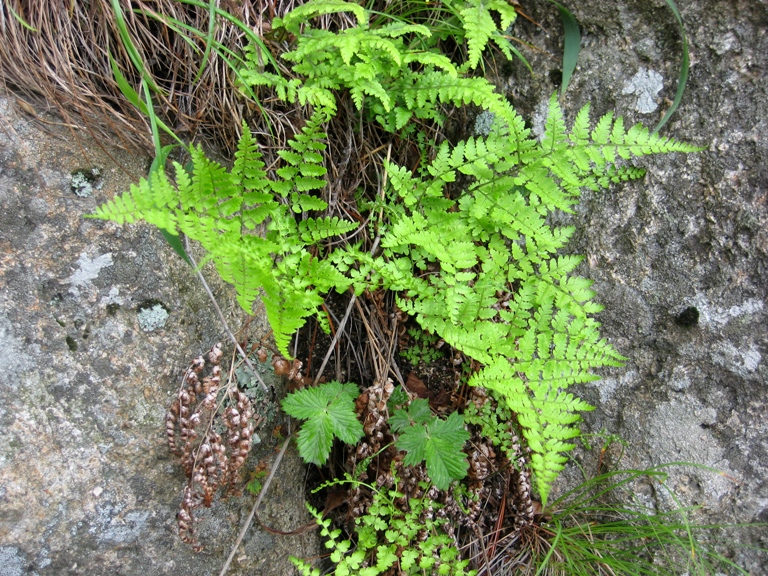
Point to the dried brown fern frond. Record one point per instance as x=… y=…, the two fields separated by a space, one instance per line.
x=210 y=427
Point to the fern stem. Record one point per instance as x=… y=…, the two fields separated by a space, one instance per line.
x=223 y=320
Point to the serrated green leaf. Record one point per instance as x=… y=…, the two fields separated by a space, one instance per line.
x=418 y=412
x=440 y=444
x=328 y=411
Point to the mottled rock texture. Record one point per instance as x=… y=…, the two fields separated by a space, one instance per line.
x=679 y=260
x=97 y=323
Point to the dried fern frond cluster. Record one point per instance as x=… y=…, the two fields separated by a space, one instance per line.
x=210 y=428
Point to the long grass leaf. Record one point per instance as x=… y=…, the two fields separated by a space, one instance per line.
x=208 y=39
x=132 y=96
x=21 y=20
x=130 y=47
x=240 y=24
x=152 y=119
x=180 y=27
x=571 y=45
x=682 y=79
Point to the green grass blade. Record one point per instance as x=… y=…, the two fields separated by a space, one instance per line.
x=684 y=68
x=129 y=46
x=152 y=119
x=21 y=20
x=240 y=24
x=208 y=39
x=161 y=152
x=234 y=61
x=132 y=96
x=127 y=90
x=571 y=45
x=231 y=59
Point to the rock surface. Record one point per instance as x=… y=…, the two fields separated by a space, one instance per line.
x=679 y=260
x=97 y=323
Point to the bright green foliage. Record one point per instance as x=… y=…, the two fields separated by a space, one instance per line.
x=496 y=423
x=479 y=26
x=224 y=211
x=537 y=338
x=545 y=413
x=328 y=411
x=388 y=537
x=476 y=263
x=438 y=442
x=386 y=69
x=422 y=350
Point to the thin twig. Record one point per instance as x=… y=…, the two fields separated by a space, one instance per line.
x=336 y=337
x=343 y=323
x=244 y=530
x=240 y=351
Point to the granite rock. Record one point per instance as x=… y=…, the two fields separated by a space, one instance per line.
x=679 y=258
x=679 y=261
x=97 y=323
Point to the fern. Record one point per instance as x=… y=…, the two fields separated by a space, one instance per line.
x=222 y=210
x=377 y=65
x=537 y=338
x=466 y=242
x=479 y=26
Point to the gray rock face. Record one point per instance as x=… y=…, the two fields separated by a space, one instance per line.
x=680 y=258
x=97 y=323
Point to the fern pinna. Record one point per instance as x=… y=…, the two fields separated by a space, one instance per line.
x=477 y=264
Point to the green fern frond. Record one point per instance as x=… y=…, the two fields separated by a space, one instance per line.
x=301 y=14
x=313 y=230
x=479 y=25
x=545 y=414
x=155 y=203
x=467 y=243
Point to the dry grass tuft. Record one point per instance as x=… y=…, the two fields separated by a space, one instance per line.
x=55 y=53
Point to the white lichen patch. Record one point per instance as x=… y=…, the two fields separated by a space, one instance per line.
x=154 y=318
x=88 y=270
x=483 y=123
x=84 y=182
x=539 y=121
x=113 y=297
x=645 y=85
x=741 y=361
x=607 y=387
x=715 y=317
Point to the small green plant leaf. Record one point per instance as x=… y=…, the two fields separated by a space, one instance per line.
x=440 y=443
x=328 y=411
x=417 y=413
x=682 y=78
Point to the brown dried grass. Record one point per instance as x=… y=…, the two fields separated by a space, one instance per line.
x=64 y=64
